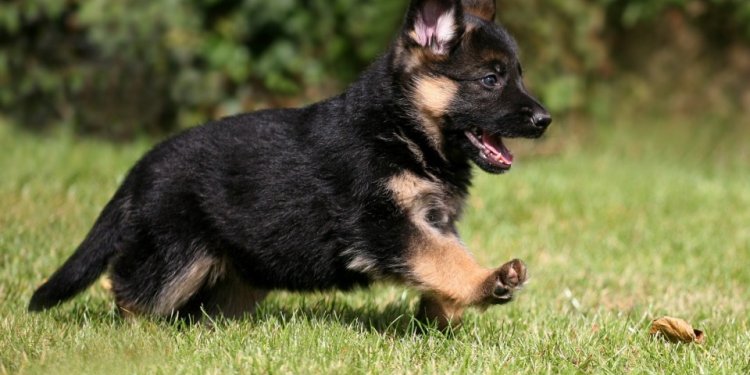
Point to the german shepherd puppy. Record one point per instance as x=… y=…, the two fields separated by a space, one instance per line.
x=366 y=185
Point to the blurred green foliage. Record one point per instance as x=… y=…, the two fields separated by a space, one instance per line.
x=121 y=68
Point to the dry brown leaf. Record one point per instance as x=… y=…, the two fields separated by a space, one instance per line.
x=676 y=330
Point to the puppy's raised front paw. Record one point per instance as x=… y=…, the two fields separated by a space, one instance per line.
x=504 y=281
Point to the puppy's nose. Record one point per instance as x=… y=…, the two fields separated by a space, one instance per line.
x=541 y=119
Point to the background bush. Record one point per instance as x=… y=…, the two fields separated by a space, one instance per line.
x=120 y=68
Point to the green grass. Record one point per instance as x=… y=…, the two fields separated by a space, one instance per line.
x=618 y=226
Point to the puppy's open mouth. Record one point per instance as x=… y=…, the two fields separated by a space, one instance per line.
x=491 y=148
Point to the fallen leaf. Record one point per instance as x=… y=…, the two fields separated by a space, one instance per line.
x=676 y=330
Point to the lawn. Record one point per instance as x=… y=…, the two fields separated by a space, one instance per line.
x=618 y=224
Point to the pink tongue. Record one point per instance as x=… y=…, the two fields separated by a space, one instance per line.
x=497 y=149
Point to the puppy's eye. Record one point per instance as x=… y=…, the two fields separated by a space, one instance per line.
x=490 y=80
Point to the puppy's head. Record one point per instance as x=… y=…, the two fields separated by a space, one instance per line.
x=460 y=71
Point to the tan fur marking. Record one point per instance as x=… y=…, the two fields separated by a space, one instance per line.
x=413 y=36
x=439 y=263
x=442 y=266
x=433 y=95
x=415 y=195
x=184 y=285
x=408 y=188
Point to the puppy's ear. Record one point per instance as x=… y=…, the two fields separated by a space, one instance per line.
x=484 y=9
x=435 y=25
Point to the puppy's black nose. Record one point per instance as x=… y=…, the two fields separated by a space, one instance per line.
x=541 y=120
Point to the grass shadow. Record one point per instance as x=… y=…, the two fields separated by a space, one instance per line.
x=394 y=319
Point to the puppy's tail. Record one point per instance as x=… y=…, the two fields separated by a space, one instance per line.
x=89 y=260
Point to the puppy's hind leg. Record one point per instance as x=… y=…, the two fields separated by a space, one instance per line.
x=229 y=296
x=162 y=281
x=434 y=309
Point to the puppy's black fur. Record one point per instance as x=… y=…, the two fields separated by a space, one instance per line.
x=362 y=186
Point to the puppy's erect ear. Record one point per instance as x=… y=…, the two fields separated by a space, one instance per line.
x=434 y=24
x=484 y=9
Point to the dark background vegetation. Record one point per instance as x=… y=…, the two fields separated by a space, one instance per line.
x=125 y=68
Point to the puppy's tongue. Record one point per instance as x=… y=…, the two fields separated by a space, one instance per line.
x=496 y=149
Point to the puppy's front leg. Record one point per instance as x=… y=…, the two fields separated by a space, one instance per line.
x=452 y=280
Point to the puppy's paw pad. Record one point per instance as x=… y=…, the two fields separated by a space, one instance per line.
x=505 y=281
x=502 y=293
x=512 y=274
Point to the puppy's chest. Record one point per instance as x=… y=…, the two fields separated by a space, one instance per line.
x=429 y=204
